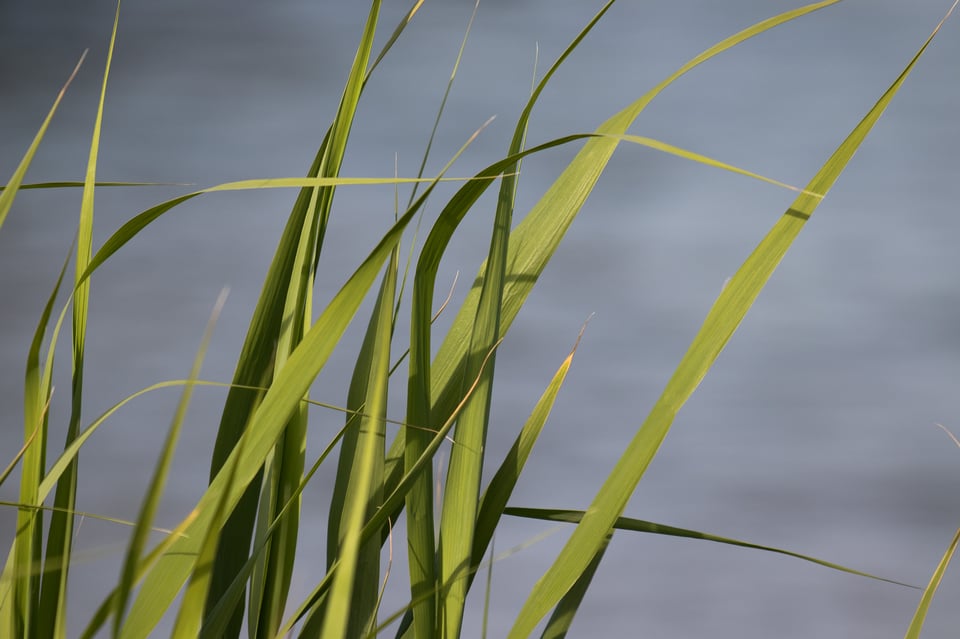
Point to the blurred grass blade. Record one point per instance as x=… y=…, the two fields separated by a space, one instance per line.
x=639 y=525
x=52 y=611
x=71 y=185
x=916 y=625
x=9 y=192
x=148 y=510
x=721 y=322
x=352 y=601
x=194 y=601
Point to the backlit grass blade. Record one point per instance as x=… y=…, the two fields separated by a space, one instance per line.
x=9 y=192
x=559 y=623
x=421 y=541
x=639 y=525
x=498 y=492
x=194 y=600
x=538 y=235
x=391 y=504
x=270 y=417
x=463 y=481
x=721 y=322
x=52 y=611
x=148 y=510
x=916 y=625
x=352 y=601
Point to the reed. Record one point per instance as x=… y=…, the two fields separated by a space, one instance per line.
x=233 y=557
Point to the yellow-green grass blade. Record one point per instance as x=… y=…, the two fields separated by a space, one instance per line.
x=501 y=486
x=16 y=614
x=639 y=525
x=359 y=481
x=498 y=492
x=155 y=488
x=284 y=470
x=462 y=486
x=271 y=416
x=559 y=623
x=194 y=601
x=351 y=603
x=391 y=504
x=916 y=624
x=52 y=611
x=721 y=322
x=103 y=612
x=537 y=236
x=9 y=192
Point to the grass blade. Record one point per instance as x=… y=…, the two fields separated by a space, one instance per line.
x=916 y=625
x=51 y=616
x=639 y=525
x=9 y=192
x=352 y=601
x=151 y=502
x=27 y=544
x=721 y=322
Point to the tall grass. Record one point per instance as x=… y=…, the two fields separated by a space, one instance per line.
x=233 y=557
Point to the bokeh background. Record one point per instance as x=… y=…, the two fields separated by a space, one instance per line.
x=815 y=431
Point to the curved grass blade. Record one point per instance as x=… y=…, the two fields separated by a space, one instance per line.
x=52 y=610
x=9 y=192
x=916 y=624
x=421 y=541
x=151 y=502
x=639 y=525
x=718 y=327
x=538 y=235
x=463 y=481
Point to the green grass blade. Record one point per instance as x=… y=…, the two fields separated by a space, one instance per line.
x=391 y=504
x=462 y=486
x=28 y=540
x=271 y=416
x=73 y=185
x=148 y=510
x=51 y=616
x=194 y=602
x=9 y=192
x=352 y=601
x=498 y=493
x=916 y=624
x=721 y=322
x=559 y=623
x=538 y=235
x=639 y=525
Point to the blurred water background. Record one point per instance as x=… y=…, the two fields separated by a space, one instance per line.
x=815 y=431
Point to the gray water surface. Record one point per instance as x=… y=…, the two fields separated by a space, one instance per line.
x=815 y=430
